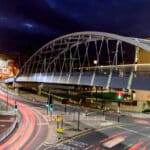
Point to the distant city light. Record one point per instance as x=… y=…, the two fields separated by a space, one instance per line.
x=7 y=67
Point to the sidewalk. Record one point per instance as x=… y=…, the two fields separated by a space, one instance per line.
x=71 y=128
x=137 y=115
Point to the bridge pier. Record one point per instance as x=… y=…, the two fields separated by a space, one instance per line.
x=17 y=90
x=39 y=89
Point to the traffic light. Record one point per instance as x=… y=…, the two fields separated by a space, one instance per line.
x=65 y=101
x=51 y=107
x=50 y=101
x=15 y=108
x=119 y=96
x=47 y=105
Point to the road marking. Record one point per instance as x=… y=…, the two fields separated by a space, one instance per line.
x=38 y=124
x=89 y=147
x=147 y=127
x=90 y=113
x=141 y=121
x=111 y=143
x=133 y=131
x=112 y=136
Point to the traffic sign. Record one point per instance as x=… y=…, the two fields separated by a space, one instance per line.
x=60 y=130
x=58 y=119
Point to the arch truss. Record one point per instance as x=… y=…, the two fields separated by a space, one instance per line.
x=69 y=58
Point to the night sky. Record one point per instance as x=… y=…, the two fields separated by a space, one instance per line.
x=25 y=25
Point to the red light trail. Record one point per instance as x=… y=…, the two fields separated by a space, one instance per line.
x=27 y=132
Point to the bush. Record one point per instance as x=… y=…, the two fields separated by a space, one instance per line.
x=146 y=110
x=108 y=95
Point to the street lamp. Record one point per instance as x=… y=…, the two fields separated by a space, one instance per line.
x=95 y=62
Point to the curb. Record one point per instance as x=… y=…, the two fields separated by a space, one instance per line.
x=85 y=132
x=9 y=131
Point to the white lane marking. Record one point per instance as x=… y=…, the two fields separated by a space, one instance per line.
x=115 y=141
x=133 y=131
x=89 y=147
x=38 y=124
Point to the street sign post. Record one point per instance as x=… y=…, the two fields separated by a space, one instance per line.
x=60 y=130
x=65 y=101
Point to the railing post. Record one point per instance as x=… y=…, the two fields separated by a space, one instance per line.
x=130 y=80
x=109 y=80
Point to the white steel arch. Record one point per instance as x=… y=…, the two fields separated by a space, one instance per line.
x=69 y=60
x=71 y=40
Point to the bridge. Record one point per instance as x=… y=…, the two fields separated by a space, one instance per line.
x=90 y=59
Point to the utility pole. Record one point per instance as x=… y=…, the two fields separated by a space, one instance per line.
x=78 y=119
x=118 y=111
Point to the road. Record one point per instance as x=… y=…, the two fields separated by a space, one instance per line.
x=32 y=130
x=133 y=135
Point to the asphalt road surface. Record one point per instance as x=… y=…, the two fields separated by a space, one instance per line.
x=134 y=135
x=32 y=130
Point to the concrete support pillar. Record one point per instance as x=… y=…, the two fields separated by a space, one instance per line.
x=93 y=88
x=17 y=90
x=39 y=89
x=134 y=95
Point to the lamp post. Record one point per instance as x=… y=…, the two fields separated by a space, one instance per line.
x=79 y=120
x=7 y=99
x=95 y=62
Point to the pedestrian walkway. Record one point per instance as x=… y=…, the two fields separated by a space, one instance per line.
x=74 y=126
x=137 y=115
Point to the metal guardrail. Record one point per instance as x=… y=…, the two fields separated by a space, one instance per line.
x=5 y=134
